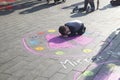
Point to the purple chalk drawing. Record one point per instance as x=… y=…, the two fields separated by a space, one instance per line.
x=83 y=40
x=55 y=41
x=114 y=74
x=42 y=54
x=102 y=76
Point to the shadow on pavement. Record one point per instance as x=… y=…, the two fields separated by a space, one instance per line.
x=73 y=5
x=108 y=6
x=80 y=14
x=60 y=39
x=37 y=4
x=105 y=64
x=18 y=7
x=37 y=8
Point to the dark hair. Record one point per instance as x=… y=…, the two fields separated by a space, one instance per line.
x=82 y=26
x=62 y=30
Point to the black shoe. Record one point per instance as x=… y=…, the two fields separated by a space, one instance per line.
x=88 y=9
x=93 y=9
x=63 y=0
x=56 y=1
x=75 y=9
x=84 y=29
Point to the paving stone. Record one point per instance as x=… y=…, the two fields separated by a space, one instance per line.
x=51 y=70
x=10 y=64
x=57 y=76
x=16 y=67
x=41 y=78
x=4 y=76
x=70 y=76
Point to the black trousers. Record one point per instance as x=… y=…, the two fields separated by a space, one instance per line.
x=59 y=0
x=82 y=30
x=86 y=2
x=79 y=32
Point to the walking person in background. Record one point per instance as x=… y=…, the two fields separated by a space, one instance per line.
x=55 y=1
x=86 y=7
x=86 y=2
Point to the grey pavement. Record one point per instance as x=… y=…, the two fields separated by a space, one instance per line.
x=100 y=60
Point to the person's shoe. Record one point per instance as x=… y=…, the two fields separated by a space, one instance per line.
x=48 y=2
x=83 y=30
x=63 y=0
x=88 y=9
x=56 y=2
x=92 y=9
x=75 y=9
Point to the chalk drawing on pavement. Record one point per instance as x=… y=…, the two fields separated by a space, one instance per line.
x=39 y=48
x=59 y=53
x=87 y=50
x=48 y=44
x=51 y=30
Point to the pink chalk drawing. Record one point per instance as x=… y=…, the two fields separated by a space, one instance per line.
x=55 y=41
x=83 y=40
x=115 y=76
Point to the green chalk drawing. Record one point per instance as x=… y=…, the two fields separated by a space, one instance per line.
x=88 y=73
x=59 y=53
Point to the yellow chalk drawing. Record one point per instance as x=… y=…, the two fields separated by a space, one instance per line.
x=87 y=50
x=39 y=48
x=52 y=30
x=111 y=65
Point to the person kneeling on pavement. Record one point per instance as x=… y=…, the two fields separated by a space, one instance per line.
x=72 y=28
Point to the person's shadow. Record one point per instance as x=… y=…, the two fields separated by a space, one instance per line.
x=107 y=59
x=26 y=5
x=16 y=6
x=108 y=6
x=39 y=7
x=73 y=5
x=60 y=39
x=78 y=14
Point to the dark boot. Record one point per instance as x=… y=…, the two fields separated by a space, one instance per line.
x=75 y=9
x=63 y=0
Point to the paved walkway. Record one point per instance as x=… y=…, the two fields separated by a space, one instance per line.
x=26 y=52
